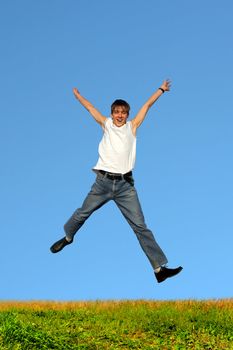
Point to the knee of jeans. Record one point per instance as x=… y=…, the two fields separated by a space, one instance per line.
x=138 y=226
x=78 y=216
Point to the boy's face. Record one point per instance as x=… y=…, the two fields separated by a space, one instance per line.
x=119 y=116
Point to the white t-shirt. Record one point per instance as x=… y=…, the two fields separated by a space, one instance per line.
x=117 y=149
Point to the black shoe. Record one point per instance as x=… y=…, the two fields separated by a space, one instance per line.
x=59 y=245
x=165 y=272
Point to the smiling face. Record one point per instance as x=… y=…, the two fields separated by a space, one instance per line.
x=119 y=115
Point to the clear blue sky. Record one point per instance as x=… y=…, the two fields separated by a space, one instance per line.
x=116 y=49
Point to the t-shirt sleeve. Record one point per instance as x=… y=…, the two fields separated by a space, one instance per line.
x=106 y=123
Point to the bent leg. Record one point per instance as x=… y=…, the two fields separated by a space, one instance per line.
x=97 y=197
x=129 y=205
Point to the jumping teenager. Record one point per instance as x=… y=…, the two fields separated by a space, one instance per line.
x=114 y=179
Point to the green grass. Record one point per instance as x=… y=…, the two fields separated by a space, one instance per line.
x=117 y=325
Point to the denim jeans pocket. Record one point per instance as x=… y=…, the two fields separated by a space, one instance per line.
x=130 y=180
x=99 y=179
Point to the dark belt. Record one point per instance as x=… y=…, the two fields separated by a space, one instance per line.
x=112 y=176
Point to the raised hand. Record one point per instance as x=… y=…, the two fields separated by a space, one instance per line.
x=166 y=85
x=76 y=92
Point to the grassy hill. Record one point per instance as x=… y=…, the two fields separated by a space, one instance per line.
x=117 y=325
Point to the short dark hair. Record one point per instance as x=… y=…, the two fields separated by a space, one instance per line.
x=121 y=103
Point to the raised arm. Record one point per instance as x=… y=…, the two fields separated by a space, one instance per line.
x=137 y=121
x=91 y=109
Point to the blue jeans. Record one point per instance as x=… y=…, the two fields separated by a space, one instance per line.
x=124 y=194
